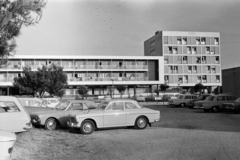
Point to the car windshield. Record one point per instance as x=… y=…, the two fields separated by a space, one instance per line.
x=238 y=100
x=62 y=105
x=210 y=98
x=103 y=105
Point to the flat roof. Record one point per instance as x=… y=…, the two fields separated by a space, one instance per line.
x=81 y=57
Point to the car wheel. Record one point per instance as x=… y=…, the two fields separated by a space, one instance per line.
x=182 y=105
x=87 y=127
x=214 y=109
x=141 y=123
x=51 y=124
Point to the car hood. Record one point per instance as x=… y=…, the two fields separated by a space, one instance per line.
x=6 y=136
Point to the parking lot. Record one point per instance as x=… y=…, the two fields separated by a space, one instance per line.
x=182 y=133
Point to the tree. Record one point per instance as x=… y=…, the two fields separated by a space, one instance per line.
x=199 y=87
x=48 y=79
x=164 y=87
x=13 y=15
x=83 y=91
x=121 y=89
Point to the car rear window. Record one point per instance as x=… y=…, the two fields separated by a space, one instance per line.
x=8 y=107
x=210 y=98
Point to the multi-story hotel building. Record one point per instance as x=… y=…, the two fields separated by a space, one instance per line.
x=97 y=72
x=189 y=57
x=176 y=58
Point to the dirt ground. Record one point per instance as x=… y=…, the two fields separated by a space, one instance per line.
x=128 y=144
x=182 y=134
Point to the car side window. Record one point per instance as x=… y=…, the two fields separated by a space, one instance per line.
x=77 y=106
x=8 y=107
x=228 y=98
x=187 y=97
x=130 y=105
x=220 y=98
x=116 y=106
x=34 y=103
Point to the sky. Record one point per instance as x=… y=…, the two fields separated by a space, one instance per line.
x=120 y=27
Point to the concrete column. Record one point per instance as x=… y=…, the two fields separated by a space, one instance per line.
x=134 y=91
x=8 y=90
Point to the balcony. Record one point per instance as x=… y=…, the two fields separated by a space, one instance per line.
x=189 y=71
x=185 y=81
x=184 y=62
x=212 y=53
x=194 y=71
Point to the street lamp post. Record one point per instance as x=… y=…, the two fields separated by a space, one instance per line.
x=112 y=88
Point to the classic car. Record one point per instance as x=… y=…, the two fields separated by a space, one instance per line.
x=233 y=106
x=58 y=116
x=13 y=116
x=190 y=104
x=182 y=100
x=139 y=98
x=214 y=103
x=114 y=113
x=7 y=140
x=34 y=104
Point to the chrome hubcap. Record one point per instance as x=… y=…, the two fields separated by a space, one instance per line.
x=141 y=123
x=51 y=124
x=87 y=127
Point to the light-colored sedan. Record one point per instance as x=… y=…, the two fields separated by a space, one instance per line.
x=13 y=116
x=7 y=140
x=114 y=113
x=58 y=116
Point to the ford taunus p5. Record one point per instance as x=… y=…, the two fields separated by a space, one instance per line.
x=58 y=116
x=114 y=113
x=214 y=103
x=13 y=116
x=182 y=100
x=7 y=140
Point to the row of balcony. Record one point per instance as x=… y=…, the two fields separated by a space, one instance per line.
x=186 y=81
x=73 y=79
x=18 y=67
x=186 y=62
x=192 y=71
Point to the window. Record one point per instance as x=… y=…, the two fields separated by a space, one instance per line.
x=220 y=98
x=179 y=40
x=216 y=41
x=174 y=50
x=228 y=98
x=130 y=105
x=152 y=43
x=185 y=59
x=165 y=40
x=77 y=106
x=8 y=107
x=152 y=53
x=203 y=41
x=116 y=106
x=197 y=40
x=216 y=59
x=184 y=40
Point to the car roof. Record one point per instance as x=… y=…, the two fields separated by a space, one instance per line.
x=7 y=98
x=119 y=100
x=37 y=99
x=75 y=101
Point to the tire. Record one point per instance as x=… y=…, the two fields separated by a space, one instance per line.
x=141 y=123
x=87 y=127
x=215 y=109
x=182 y=105
x=51 y=124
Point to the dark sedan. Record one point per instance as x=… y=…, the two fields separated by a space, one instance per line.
x=233 y=106
x=190 y=104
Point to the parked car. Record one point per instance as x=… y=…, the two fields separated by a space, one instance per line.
x=7 y=140
x=233 y=106
x=58 y=116
x=52 y=102
x=182 y=100
x=139 y=98
x=114 y=113
x=191 y=103
x=34 y=104
x=13 y=116
x=214 y=103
